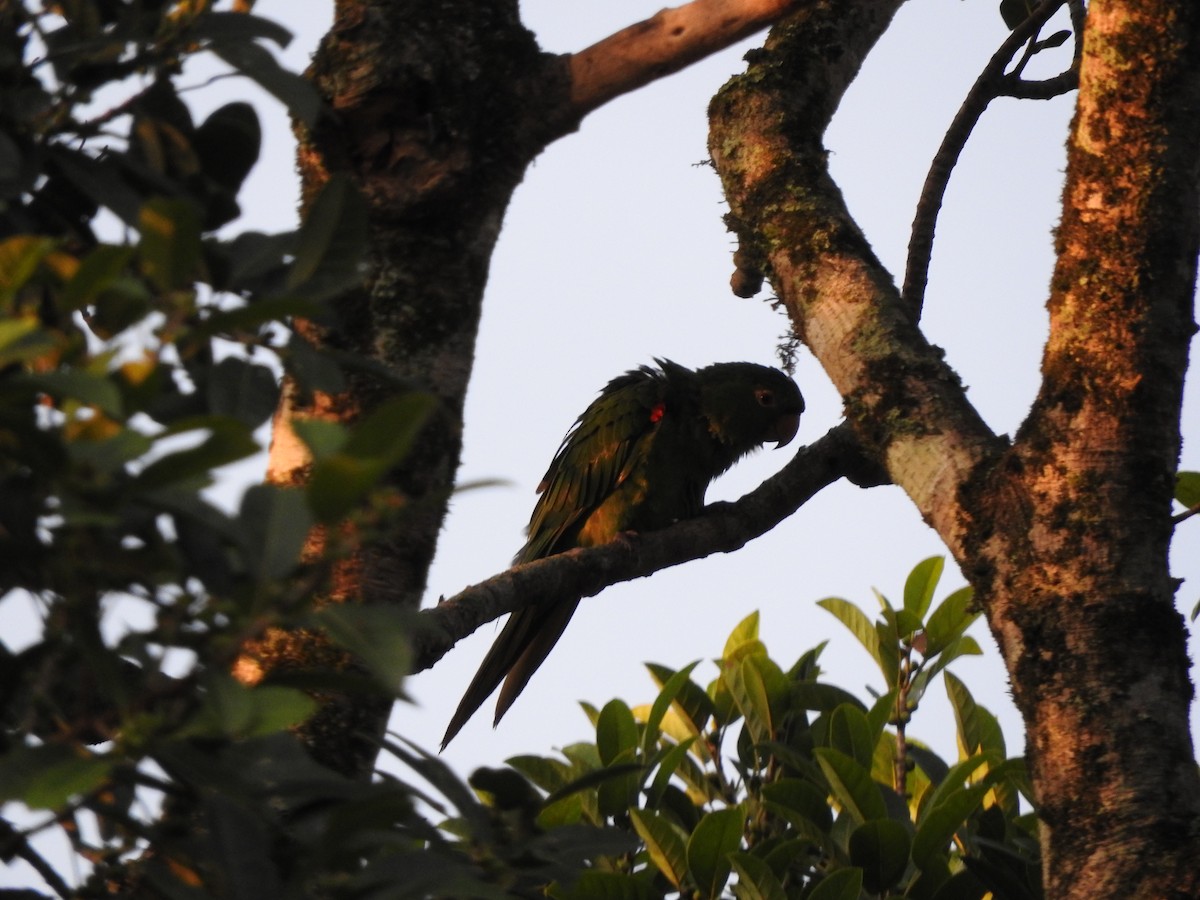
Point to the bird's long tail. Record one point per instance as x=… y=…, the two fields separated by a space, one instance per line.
x=520 y=649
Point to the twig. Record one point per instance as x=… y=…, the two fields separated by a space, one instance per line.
x=991 y=83
x=17 y=844
x=723 y=528
x=1186 y=514
x=668 y=41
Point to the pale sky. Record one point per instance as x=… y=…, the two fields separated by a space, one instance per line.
x=614 y=252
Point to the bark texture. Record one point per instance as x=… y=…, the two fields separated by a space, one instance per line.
x=435 y=111
x=437 y=108
x=1064 y=533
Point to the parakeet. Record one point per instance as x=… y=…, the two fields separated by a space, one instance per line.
x=639 y=458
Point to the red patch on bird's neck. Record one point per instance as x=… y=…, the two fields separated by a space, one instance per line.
x=658 y=411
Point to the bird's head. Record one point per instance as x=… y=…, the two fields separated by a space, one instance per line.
x=747 y=404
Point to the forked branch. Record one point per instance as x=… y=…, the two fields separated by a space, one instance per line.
x=995 y=81
x=723 y=528
x=667 y=42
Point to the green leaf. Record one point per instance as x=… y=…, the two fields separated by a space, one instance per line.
x=48 y=776
x=962 y=646
x=379 y=636
x=256 y=62
x=23 y=339
x=844 y=884
x=851 y=784
x=84 y=387
x=109 y=455
x=331 y=242
x=807 y=667
x=169 y=252
x=242 y=390
x=939 y=823
x=880 y=714
x=851 y=733
x=921 y=583
x=958 y=774
x=387 y=433
x=978 y=729
x=666 y=696
x=887 y=630
x=322 y=438
x=795 y=798
x=717 y=835
x=1187 y=488
x=1014 y=12
x=755 y=881
x=665 y=843
x=314 y=369
x=230 y=709
x=220 y=27
x=228 y=441
x=744 y=632
x=930 y=763
x=859 y=625
x=235 y=841
x=616 y=731
x=822 y=697
x=880 y=848
x=99 y=181
x=761 y=691
x=667 y=766
x=96 y=274
x=228 y=144
x=547 y=773
x=20 y=257
x=691 y=702
x=341 y=480
x=276 y=522
x=594 y=884
x=947 y=623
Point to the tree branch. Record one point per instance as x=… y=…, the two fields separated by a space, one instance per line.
x=670 y=40
x=991 y=83
x=723 y=528
x=907 y=406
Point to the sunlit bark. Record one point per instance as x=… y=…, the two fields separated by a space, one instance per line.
x=1064 y=534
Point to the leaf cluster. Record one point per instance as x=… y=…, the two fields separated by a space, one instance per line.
x=143 y=344
x=772 y=783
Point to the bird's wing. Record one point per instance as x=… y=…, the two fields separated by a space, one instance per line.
x=595 y=457
x=597 y=454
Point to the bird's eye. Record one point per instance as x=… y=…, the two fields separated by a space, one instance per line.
x=764 y=397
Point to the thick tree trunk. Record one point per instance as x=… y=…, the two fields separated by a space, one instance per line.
x=437 y=108
x=1074 y=575
x=1064 y=534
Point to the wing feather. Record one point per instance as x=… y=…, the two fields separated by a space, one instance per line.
x=597 y=454
x=601 y=450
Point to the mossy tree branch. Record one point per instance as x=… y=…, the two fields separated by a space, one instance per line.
x=1064 y=533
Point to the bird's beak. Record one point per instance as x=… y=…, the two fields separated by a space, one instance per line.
x=786 y=427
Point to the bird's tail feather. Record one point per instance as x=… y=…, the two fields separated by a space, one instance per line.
x=517 y=652
x=549 y=629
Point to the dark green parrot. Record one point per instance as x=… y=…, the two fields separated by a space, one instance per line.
x=639 y=458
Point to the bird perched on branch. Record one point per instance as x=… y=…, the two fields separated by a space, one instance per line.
x=639 y=458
